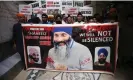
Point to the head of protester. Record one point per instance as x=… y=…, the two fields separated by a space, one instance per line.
x=21 y=17
x=44 y=18
x=50 y=19
x=92 y=20
x=79 y=18
x=98 y=17
x=58 y=19
x=69 y=20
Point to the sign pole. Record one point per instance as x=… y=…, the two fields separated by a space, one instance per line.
x=40 y=6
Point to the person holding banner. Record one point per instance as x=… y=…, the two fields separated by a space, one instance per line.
x=17 y=36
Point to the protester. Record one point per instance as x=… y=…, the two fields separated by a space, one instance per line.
x=69 y=20
x=17 y=36
x=98 y=18
x=44 y=19
x=79 y=19
x=50 y=19
x=64 y=17
x=58 y=19
x=92 y=20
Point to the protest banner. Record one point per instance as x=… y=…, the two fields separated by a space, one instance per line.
x=86 y=11
x=25 y=9
x=39 y=10
x=53 y=3
x=71 y=48
x=53 y=6
x=72 y=11
x=66 y=4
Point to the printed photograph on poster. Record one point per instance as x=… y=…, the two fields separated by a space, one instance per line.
x=62 y=55
x=102 y=58
x=53 y=11
x=34 y=55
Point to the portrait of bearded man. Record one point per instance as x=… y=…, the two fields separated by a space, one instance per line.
x=102 y=64
x=67 y=54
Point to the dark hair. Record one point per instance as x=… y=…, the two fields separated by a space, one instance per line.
x=36 y=20
x=79 y=13
x=58 y=16
x=45 y=15
x=30 y=21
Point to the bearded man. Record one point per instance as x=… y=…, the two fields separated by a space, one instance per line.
x=68 y=54
x=102 y=64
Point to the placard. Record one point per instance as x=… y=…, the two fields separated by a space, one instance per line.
x=86 y=11
x=25 y=9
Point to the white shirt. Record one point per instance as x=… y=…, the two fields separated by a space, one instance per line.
x=79 y=22
x=80 y=58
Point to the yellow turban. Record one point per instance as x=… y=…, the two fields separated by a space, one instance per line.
x=50 y=16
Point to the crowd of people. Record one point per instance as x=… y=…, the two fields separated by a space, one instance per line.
x=69 y=19
x=58 y=19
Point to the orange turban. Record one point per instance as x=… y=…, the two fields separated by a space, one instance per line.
x=20 y=15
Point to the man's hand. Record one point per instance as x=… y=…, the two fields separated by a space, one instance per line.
x=14 y=46
x=60 y=67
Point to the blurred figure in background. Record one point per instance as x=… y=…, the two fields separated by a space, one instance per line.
x=69 y=20
x=112 y=16
x=79 y=19
x=92 y=19
x=44 y=19
x=98 y=18
x=64 y=18
x=50 y=19
x=58 y=19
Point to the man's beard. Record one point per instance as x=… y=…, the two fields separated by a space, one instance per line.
x=102 y=61
x=34 y=58
x=63 y=51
